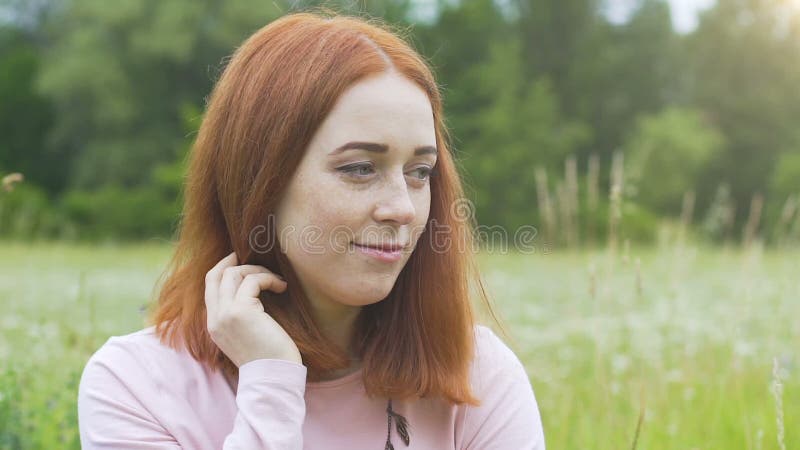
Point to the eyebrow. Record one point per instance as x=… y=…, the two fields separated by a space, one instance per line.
x=381 y=148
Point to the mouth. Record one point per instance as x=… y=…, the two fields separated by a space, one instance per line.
x=389 y=248
x=388 y=253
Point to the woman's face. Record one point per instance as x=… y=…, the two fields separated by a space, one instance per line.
x=363 y=180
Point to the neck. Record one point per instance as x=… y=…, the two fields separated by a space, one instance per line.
x=336 y=320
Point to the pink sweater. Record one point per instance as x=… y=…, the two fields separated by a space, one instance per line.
x=136 y=393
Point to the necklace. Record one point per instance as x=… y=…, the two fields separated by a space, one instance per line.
x=402 y=427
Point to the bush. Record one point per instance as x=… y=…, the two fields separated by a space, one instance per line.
x=667 y=152
x=27 y=213
x=116 y=213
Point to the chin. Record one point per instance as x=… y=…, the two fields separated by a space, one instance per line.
x=365 y=295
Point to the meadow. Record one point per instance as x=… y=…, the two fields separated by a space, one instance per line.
x=695 y=347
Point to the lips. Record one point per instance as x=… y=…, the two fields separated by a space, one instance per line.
x=376 y=253
x=384 y=247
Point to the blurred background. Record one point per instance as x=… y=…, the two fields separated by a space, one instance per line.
x=653 y=146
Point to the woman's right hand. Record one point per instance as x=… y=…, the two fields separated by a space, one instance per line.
x=236 y=319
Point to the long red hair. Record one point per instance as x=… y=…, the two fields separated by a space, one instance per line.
x=276 y=90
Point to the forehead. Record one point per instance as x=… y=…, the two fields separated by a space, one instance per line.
x=385 y=108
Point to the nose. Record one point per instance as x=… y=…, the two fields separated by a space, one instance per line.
x=394 y=203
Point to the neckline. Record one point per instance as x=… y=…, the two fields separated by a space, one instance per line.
x=347 y=379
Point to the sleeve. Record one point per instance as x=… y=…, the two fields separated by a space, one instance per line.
x=110 y=416
x=508 y=416
x=272 y=408
x=113 y=406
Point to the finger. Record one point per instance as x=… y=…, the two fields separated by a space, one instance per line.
x=212 y=281
x=229 y=261
x=254 y=283
x=214 y=275
x=232 y=277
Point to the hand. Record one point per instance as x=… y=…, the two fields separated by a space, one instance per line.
x=236 y=319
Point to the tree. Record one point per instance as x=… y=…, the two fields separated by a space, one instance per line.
x=521 y=129
x=744 y=62
x=120 y=75
x=666 y=152
x=24 y=114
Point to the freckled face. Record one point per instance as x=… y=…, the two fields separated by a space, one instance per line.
x=374 y=190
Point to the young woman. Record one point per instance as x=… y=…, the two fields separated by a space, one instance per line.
x=318 y=296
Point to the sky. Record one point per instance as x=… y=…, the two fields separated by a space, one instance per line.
x=684 y=12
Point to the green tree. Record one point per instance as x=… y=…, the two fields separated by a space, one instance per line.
x=120 y=74
x=666 y=152
x=521 y=129
x=603 y=74
x=744 y=63
x=635 y=73
x=24 y=114
x=786 y=179
x=457 y=45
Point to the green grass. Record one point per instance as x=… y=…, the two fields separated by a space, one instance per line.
x=691 y=334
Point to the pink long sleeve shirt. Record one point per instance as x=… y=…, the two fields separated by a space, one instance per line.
x=136 y=393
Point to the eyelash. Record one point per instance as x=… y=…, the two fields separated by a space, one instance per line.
x=351 y=170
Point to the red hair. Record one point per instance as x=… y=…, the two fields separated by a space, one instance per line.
x=274 y=93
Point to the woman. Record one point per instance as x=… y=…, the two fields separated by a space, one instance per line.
x=318 y=296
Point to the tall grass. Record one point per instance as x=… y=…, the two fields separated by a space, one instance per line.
x=693 y=331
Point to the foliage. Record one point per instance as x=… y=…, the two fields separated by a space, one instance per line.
x=521 y=129
x=666 y=152
x=25 y=114
x=26 y=213
x=786 y=178
x=745 y=64
x=94 y=99
x=119 y=76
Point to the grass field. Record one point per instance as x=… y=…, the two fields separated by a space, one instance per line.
x=691 y=337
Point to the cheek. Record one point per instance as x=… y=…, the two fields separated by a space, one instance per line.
x=334 y=218
x=423 y=206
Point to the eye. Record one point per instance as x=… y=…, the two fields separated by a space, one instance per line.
x=424 y=172
x=357 y=170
